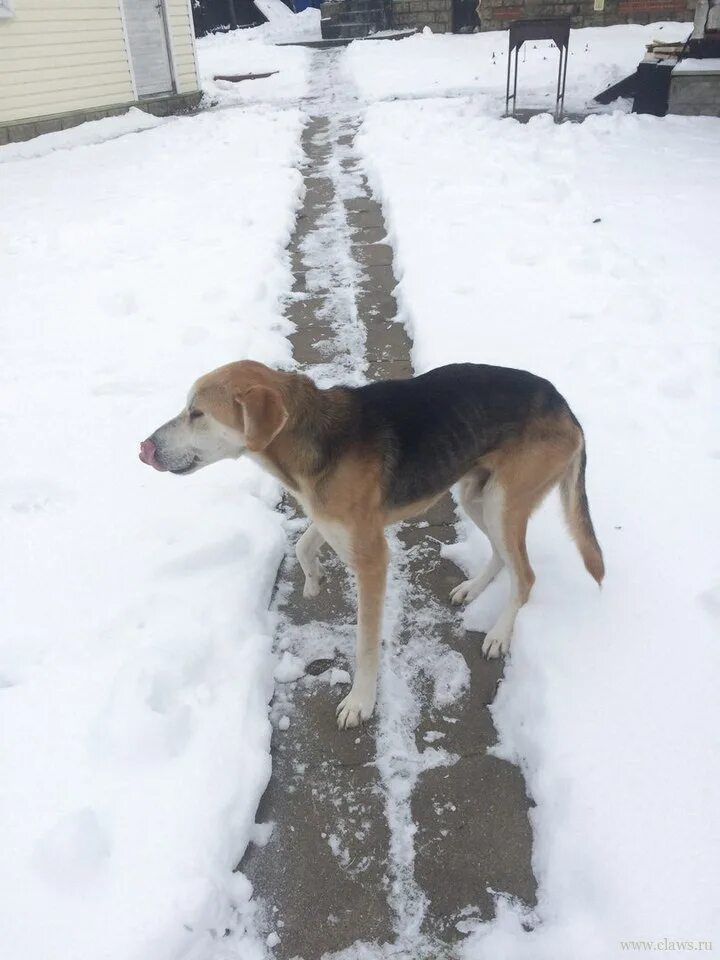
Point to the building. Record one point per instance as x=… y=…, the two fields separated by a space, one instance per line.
x=62 y=63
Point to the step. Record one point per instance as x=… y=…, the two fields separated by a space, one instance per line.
x=371 y=24
x=357 y=16
x=337 y=31
x=377 y=19
x=355 y=7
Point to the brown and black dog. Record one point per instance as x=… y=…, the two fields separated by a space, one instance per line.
x=360 y=458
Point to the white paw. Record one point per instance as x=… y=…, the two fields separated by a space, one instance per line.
x=495 y=645
x=466 y=591
x=312 y=586
x=356 y=707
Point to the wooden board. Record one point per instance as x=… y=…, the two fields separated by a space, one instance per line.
x=274 y=10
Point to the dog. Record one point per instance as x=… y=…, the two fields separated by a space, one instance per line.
x=360 y=458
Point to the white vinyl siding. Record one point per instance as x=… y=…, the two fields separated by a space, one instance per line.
x=58 y=57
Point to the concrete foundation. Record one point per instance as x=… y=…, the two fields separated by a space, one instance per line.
x=159 y=106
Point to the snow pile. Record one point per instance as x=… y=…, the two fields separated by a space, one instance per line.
x=135 y=656
x=84 y=135
x=285 y=26
x=430 y=64
x=253 y=51
x=585 y=253
x=289 y=669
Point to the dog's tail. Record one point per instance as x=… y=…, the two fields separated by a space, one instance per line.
x=577 y=515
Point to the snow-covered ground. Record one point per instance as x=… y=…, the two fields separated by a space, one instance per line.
x=135 y=655
x=135 y=660
x=86 y=134
x=253 y=51
x=428 y=65
x=586 y=254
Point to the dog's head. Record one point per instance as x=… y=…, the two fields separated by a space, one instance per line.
x=236 y=408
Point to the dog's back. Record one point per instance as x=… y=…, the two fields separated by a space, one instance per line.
x=434 y=428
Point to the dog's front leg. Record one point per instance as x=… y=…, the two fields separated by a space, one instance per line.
x=307 y=549
x=369 y=560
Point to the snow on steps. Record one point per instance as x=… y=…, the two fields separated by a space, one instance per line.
x=353 y=18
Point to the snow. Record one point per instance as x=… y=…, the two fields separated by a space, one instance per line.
x=585 y=253
x=338 y=677
x=136 y=663
x=254 y=51
x=430 y=65
x=135 y=654
x=289 y=669
x=692 y=65
x=85 y=134
x=432 y=736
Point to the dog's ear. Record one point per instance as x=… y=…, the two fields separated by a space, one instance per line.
x=264 y=416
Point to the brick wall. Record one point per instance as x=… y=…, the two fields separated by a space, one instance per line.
x=436 y=14
x=496 y=14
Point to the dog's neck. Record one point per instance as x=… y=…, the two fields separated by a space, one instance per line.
x=308 y=445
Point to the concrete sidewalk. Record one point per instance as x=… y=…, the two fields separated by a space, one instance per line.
x=394 y=833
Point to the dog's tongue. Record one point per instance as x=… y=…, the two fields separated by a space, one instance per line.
x=147 y=455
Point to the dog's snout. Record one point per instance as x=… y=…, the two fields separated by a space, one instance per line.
x=148 y=454
x=147 y=451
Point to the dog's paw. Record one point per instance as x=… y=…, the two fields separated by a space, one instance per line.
x=356 y=707
x=312 y=586
x=496 y=645
x=466 y=591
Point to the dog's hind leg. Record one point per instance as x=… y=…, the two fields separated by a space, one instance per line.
x=472 y=489
x=307 y=550
x=517 y=487
x=507 y=526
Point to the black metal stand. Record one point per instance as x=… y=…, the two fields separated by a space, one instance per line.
x=556 y=29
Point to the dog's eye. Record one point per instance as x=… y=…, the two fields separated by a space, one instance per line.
x=194 y=414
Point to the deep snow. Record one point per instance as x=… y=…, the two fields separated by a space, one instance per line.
x=86 y=134
x=135 y=657
x=431 y=65
x=254 y=51
x=585 y=253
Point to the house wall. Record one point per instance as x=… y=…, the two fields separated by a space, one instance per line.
x=68 y=58
x=57 y=57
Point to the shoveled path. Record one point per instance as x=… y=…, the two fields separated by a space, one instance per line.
x=392 y=834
